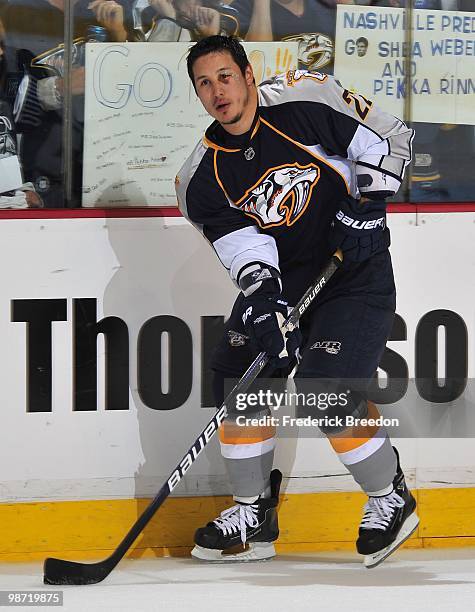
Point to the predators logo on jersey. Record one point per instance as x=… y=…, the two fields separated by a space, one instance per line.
x=281 y=196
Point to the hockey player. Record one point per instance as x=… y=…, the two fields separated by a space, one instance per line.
x=288 y=172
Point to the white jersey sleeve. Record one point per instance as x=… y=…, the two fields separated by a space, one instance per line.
x=350 y=125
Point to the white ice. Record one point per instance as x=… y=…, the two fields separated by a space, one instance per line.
x=410 y=580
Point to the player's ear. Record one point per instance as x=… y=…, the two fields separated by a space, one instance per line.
x=249 y=75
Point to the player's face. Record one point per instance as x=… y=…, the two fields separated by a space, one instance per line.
x=227 y=95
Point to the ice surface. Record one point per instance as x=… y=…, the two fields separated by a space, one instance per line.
x=410 y=580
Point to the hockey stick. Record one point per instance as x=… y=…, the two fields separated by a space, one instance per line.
x=59 y=571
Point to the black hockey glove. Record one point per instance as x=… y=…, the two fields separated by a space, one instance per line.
x=264 y=313
x=263 y=318
x=359 y=229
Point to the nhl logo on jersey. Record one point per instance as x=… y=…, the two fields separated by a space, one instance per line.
x=249 y=154
x=329 y=346
x=237 y=339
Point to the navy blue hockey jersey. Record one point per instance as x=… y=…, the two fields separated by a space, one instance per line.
x=270 y=195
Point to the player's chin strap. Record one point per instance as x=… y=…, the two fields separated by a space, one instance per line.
x=238 y=517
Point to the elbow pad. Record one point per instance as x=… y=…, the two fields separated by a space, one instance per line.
x=375 y=184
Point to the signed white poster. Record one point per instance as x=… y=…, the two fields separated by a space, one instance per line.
x=143 y=118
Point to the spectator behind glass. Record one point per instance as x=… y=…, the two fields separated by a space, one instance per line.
x=14 y=192
x=177 y=20
x=311 y=23
x=34 y=34
x=3 y=70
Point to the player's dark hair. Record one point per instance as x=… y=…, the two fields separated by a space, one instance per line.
x=217 y=44
x=363 y=40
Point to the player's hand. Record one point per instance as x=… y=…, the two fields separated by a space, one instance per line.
x=263 y=317
x=110 y=15
x=359 y=229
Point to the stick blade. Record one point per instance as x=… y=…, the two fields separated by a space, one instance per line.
x=58 y=571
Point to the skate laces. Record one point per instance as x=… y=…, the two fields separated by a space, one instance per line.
x=238 y=518
x=378 y=511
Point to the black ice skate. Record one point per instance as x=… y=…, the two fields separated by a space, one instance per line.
x=245 y=532
x=387 y=522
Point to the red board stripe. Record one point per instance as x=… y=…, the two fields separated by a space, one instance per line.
x=172 y=211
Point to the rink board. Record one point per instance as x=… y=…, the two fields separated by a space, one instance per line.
x=137 y=269
x=308 y=522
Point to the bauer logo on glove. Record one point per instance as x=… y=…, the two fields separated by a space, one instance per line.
x=358 y=224
x=359 y=229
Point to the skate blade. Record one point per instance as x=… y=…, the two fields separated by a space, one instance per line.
x=409 y=526
x=254 y=551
